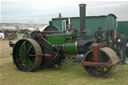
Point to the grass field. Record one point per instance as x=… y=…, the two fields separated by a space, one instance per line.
x=70 y=74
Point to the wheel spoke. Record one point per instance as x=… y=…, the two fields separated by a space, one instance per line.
x=98 y=69
x=30 y=48
x=102 y=69
x=23 y=62
x=26 y=64
x=24 y=43
x=31 y=63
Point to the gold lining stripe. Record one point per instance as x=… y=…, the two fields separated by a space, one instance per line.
x=76 y=46
x=63 y=48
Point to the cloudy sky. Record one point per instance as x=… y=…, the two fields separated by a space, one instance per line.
x=41 y=11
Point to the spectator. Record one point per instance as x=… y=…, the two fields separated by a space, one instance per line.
x=123 y=42
x=127 y=47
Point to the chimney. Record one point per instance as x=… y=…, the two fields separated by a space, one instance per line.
x=82 y=19
x=59 y=15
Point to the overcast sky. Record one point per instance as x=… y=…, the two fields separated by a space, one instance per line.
x=41 y=11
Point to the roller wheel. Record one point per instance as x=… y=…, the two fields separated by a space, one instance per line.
x=26 y=55
x=106 y=55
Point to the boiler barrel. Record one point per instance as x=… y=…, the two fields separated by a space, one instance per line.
x=70 y=48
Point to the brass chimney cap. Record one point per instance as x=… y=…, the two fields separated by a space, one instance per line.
x=82 y=5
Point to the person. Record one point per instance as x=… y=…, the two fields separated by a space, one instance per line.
x=123 y=42
x=127 y=47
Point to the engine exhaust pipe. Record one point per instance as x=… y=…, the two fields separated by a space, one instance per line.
x=82 y=19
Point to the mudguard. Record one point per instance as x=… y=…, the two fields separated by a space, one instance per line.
x=83 y=45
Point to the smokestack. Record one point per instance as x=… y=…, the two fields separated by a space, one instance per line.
x=82 y=19
x=59 y=15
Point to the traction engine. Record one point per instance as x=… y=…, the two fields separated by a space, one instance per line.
x=50 y=48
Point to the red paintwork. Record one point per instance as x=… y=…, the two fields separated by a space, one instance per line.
x=85 y=63
x=96 y=47
x=40 y=35
x=95 y=52
x=47 y=55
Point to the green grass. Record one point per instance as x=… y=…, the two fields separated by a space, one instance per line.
x=69 y=74
x=20 y=35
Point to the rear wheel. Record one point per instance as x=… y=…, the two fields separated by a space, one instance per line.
x=26 y=55
x=106 y=55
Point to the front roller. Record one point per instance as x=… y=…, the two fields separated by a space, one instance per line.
x=101 y=67
x=26 y=55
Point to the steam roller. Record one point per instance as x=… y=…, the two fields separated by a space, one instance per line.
x=50 y=47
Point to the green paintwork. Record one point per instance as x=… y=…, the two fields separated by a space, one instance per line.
x=70 y=48
x=60 y=38
x=56 y=39
x=123 y=27
x=26 y=62
x=68 y=34
x=66 y=40
x=92 y=23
